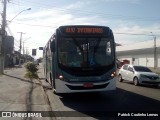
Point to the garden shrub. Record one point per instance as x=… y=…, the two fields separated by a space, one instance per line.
x=31 y=71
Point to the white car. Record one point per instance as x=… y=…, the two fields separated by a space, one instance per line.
x=138 y=75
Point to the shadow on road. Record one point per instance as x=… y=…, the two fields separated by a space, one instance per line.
x=107 y=104
x=24 y=80
x=29 y=94
x=29 y=99
x=142 y=85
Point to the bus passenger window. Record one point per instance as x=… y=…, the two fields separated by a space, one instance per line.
x=52 y=46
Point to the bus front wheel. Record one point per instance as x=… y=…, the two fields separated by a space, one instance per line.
x=120 y=79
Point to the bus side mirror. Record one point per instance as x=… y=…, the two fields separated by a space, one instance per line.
x=52 y=46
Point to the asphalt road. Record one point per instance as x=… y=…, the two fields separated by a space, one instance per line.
x=100 y=105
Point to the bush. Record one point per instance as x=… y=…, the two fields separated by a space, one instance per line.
x=31 y=71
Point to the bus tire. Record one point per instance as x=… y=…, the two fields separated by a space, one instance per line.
x=120 y=79
x=54 y=86
x=50 y=77
x=54 y=91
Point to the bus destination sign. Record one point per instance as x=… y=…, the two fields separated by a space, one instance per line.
x=87 y=30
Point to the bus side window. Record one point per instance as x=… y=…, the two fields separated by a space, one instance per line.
x=52 y=46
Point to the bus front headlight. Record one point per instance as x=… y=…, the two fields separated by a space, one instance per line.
x=113 y=74
x=61 y=77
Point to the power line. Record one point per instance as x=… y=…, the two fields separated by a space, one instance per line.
x=98 y=13
x=33 y=25
x=89 y=12
x=136 y=34
x=137 y=42
x=56 y=27
x=23 y=3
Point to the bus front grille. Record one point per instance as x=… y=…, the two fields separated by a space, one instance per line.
x=86 y=88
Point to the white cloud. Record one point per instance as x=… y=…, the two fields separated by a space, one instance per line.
x=78 y=4
x=128 y=1
x=128 y=35
x=52 y=18
x=57 y=17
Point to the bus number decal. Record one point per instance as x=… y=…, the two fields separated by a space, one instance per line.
x=84 y=30
x=70 y=30
x=89 y=30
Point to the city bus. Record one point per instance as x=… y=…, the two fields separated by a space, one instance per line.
x=80 y=58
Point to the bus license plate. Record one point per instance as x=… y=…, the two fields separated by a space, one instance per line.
x=88 y=85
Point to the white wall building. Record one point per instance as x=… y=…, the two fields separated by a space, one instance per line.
x=141 y=53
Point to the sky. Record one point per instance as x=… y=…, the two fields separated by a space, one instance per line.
x=131 y=21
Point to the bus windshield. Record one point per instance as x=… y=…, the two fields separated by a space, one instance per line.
x=85 y=52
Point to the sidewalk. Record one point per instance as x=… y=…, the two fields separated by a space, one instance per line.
x=20 y=94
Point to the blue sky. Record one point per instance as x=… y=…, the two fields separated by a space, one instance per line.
x=124 y=17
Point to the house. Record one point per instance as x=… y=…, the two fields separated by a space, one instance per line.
x=9 y=51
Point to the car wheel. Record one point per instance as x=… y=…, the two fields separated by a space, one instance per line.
x=135 y=81
x=120 y=78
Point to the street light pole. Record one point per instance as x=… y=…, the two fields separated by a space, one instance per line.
x=2 y=52
x=20 y=34
x=18 y=14
x=155 y=51
x=3 y=33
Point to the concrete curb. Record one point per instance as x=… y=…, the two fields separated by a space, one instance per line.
x=45 y=86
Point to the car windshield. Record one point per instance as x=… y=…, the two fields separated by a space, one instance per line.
x=142 y=69
x=85 y=52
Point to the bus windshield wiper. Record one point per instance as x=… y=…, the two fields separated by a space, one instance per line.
x=96 y=47
x=80 y=48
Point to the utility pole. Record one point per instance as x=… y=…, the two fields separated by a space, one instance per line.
x=2 y=54
x=24 y=52
x=23 y=48
x=20 y=47
x=155 y=51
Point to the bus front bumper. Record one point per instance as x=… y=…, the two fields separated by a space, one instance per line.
x=65 y=87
